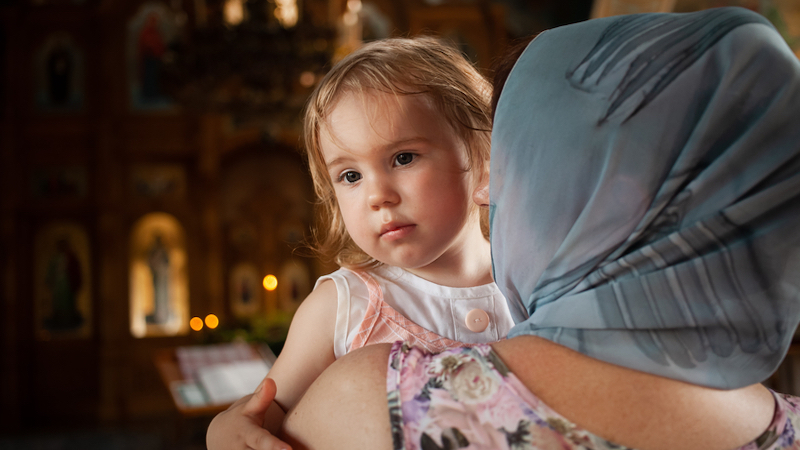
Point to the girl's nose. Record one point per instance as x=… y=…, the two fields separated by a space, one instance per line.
x=381 y=194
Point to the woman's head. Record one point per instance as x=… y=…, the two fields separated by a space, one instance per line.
x=645 y=193
x=400 y=67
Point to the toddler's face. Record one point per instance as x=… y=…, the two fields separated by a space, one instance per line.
x=398 y=172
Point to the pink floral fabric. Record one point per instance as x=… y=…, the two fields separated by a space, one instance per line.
x=466 y=398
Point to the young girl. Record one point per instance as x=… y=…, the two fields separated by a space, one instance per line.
x=397 y=136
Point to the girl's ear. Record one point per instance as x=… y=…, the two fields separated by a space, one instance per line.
x=481 y=194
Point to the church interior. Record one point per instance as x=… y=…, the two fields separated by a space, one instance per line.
x=155 y=201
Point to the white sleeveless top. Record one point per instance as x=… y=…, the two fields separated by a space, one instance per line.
x=440 y=309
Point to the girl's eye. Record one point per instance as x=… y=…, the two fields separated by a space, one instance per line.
x=350 y=177
x=404 y=158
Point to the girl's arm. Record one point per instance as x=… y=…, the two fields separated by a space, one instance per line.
x=308 y=351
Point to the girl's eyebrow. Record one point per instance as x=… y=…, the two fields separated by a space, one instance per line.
x=336 y=161
x=385 y=148
x=403 y=142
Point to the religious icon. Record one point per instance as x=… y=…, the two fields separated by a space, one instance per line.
x=59 y=183
x=245 y=290
x=63 y=281
x=59 y=74
x=159 y=293
x=158 y=181
x=150 y=50
x=151 y=33
x=158 y=262
x=294 y=285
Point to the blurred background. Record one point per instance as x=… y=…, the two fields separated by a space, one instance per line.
x=154 y=201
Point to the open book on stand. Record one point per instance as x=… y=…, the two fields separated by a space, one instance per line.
x=220 y=374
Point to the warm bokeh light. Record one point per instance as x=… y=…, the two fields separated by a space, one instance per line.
x=270 y=282
x=350 y=18
x=212 y=321
x=233 y=12
x=196 y=323
x=307 y=79
x=354 y=5
x=286 y=12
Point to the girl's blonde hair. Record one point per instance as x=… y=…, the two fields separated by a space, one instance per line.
x=400 y=66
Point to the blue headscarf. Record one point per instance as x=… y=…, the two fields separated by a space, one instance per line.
x=645 y=193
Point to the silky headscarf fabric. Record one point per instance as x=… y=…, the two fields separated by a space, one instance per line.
x=645 y=193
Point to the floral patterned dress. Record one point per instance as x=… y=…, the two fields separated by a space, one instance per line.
x=466 y=398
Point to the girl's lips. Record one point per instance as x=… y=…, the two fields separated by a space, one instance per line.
x=398 y=232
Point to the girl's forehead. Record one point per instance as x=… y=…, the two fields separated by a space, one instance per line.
x=377 y=99
x=381 y=113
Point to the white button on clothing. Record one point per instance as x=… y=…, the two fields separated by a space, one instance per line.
x=477 y=320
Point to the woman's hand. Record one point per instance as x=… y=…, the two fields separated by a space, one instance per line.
x=240 y=426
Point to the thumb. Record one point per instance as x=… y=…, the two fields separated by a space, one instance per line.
x=261 y=399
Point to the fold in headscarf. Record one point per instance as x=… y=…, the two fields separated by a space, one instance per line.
x=645 y=193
